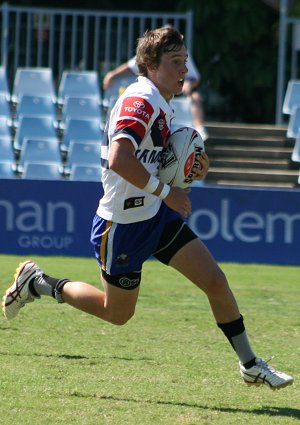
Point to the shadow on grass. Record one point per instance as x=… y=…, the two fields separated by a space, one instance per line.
x=58 y=356
x=74 y=357
x=270 y=411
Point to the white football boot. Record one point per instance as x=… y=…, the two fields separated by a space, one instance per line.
x=18 y=294
x=262 y=373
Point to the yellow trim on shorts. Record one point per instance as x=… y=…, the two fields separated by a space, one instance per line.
x=104 y=245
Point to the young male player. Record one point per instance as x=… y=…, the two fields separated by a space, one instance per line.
x=139 y=216
x=189 y=89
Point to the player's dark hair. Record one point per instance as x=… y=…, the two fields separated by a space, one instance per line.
x=153 y=44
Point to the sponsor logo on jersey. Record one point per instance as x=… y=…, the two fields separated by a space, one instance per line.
x=139 y=104
x=160 y=130
x=161 y=122
x=134 y=202
x=136 y=107
x=148 y=156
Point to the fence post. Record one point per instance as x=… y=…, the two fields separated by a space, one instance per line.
x=4 y=42
x=189 y=30
x=281 y=60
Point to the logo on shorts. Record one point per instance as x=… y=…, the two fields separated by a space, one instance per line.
x=125 y=282
x=122 y=259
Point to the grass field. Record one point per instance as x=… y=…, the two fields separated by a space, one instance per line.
x=170 y=365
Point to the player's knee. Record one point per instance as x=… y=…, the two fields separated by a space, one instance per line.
x=218 y=284
x=121 y=319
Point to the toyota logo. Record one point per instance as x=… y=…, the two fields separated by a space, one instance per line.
x=138 y=104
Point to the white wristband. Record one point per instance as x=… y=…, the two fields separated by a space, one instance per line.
x=152 y=184
x=165 y=191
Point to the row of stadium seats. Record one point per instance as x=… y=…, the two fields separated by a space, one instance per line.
x=63 y=127
x=40 y=139
x=47 y=133
x=40 y=82
x=51 y=171
x=45 y=151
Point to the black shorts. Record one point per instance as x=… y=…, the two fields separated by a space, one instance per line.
x=176 y=234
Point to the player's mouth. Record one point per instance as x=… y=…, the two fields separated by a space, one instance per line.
x=181 y=82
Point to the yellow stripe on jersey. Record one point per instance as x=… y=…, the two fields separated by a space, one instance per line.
x=104 y=245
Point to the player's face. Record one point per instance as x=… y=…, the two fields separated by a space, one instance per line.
x=169 y=75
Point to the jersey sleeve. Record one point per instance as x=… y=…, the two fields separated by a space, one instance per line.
x=135 y=115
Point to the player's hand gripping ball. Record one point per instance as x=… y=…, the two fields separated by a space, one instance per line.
x=183 y=149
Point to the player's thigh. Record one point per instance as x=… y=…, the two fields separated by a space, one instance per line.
x=196 y=263
x=120 y=303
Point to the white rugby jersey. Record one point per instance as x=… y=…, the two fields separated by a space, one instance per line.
x=143 y=116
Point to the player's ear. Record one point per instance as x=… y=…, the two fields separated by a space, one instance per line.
x=152 y=67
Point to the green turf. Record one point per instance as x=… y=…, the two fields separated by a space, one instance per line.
x=169 y=365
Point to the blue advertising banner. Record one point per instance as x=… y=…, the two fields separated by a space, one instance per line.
x=237 y=224
x=47 y=217
x=248 y=225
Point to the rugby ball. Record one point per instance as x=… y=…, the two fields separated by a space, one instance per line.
x=180 y=156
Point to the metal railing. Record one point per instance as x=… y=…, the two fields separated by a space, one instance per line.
x=77 y=39
x=286 y=24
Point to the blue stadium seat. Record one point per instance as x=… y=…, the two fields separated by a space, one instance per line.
x=35 y=106
x=81 y=130
x=42 y=171
x=294 y=122
x=5 y=107
x=39 y=150
x=43 y=127
x=5 y=128
x=7 y=169
x=78 y=84
x=33 y=81
x=292 y=96
x=78 y=108
x=87 y=153
x=85 y=172
x=117 y=88
x=296 y=149
x=6 y=149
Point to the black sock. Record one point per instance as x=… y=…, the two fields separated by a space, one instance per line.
x=236 y=334
x=250 y=364
x=47 y=285
x=32 y=289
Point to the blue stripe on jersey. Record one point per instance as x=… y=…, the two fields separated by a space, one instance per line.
x=104 y=163
x=130 y=131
